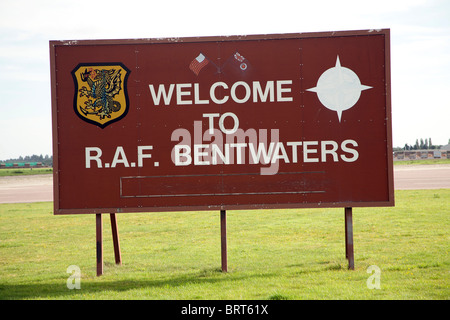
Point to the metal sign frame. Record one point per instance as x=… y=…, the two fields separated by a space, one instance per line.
x=328 y=153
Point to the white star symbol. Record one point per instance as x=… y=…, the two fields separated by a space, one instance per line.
x=338 y=88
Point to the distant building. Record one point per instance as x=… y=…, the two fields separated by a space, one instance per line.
x=14 y=165
x=442 y=153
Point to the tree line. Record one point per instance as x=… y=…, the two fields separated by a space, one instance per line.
x=422 y=144
x=46 y=160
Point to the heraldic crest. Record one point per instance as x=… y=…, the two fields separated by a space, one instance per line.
x=101 y=96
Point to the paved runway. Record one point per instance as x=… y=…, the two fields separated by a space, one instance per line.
x=38 y=188
x=409 y=177
x=33 y=188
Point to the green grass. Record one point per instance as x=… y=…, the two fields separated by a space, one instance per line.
x=24 y=171
x=272 y=254
x=424 y=162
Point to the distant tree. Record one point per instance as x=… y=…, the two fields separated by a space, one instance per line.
x=417 y=146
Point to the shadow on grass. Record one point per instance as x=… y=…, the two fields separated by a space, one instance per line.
x=59 y=290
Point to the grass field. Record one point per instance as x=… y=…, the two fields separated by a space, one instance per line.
x=424 y=162
x=272 y=254
x=24 y=171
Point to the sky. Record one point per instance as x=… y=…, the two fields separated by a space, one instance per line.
x=420 y=50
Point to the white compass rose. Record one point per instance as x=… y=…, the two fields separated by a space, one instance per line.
x=339 y=88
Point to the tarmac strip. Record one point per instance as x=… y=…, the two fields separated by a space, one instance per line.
x=39 y=188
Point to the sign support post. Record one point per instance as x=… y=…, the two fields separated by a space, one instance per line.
x=223 y=239
x=99 y=239
x=115 y=236
x=99 y=236
x=349 y=255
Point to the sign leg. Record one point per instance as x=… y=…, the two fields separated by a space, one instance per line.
x=99 y=231
x=223 y=239
x=115 y=236
x=349 y=254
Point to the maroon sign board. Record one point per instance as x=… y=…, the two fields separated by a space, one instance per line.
x=241 y=122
